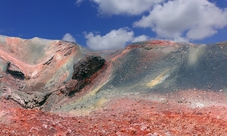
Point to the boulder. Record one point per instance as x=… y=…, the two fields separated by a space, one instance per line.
x=87 y=66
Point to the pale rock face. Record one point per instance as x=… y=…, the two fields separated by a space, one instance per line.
x=32 y=65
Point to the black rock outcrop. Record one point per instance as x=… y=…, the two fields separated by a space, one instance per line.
x=87 y=66
x=83 y=70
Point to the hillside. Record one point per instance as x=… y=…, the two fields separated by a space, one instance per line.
x=149 y=88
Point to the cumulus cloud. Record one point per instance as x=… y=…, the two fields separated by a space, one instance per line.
x=68 y=37
x=184 y=19
x=128 y=7
x=140 y=38
x=115 y=39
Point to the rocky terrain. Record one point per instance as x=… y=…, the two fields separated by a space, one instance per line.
x=52 y=87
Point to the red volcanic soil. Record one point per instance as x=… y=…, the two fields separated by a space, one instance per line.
x=121 y=116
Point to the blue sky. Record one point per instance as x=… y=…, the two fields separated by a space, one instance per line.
x=111 y=24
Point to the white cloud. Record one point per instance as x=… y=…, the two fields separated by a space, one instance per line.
x=128 y=7
x=115 y=39
x=68 y=37
x=184 y=19
x=140 y=38
x=78 y=2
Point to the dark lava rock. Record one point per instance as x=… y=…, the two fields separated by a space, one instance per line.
x=69 y=87
x=87 y=66
x=82 y=71
x=14 y=71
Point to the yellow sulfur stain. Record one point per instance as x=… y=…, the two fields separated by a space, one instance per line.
x=100 y=102
x=90 y=94
x=158 y=79
x=195 y=53
x=86 y=111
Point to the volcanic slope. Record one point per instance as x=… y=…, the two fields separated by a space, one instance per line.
x=163 y=79
x=162 y=70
